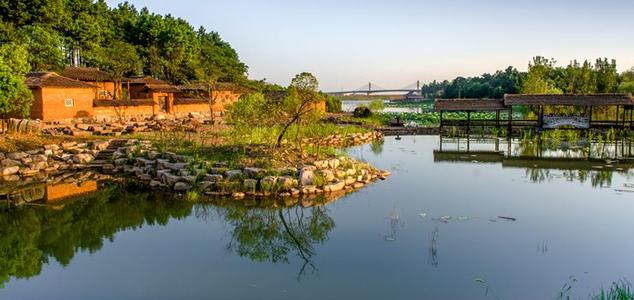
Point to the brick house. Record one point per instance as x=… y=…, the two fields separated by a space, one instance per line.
x=195 y=98
x=107 y=88
x=57 y=97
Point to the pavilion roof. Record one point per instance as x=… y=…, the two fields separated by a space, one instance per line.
x=52 y=79
x=469 y=105
x=569 y=99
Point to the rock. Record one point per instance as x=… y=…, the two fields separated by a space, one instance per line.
x=120 y=161
x=181 y=187
x=268 y=183
x=321 y=164
x=27 y=172
x=107 y=167
x=237 y=195
x=306 y=177
x=68 y=145
x=233 y=173
x=7 y=162
x=336 y=186
x=295 y=192
x=152 y=154
x=51 y=147
x=250 y=185
x=350 y=180
x=351 y=172
x=328 y=175
x=189 y=178
x=253 y=172
x=144 y=162
x=82 y=158
x=100 y=145
x=284 y=194
x=17 y=155
x=177 y=166
x=155 y=184
x=358 y=185
x=39 y=158
x=213 y=178
x=309 y=189
x=6 y=171
x=333 y=163
x=40 y=165
x=170 y=179
x=205 y=185
x=286 y=182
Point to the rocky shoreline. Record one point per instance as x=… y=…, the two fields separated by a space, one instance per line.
x=182 y=173
x=179 y=173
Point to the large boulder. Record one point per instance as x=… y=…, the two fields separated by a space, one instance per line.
x=6 y=171
x=82 y=158
x=181 y=187
x=335 y=186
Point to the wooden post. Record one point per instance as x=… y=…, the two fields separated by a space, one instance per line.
x=540 y=122
x=617 y=115
x=497 y=119
x=590 y=116
x=468 y=122
x=510 y=121
x=441 y=121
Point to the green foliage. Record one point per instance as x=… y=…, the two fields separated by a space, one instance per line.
x=486 y=86
x=376 y=105
x=90 y=33
x=305 y=82
x=333 y=104
x=626 y=87
x=15 y=96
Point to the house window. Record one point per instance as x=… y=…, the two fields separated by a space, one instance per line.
x=69 y=102
x=103 y=93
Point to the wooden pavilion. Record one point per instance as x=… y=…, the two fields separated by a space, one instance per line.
x=622 y=104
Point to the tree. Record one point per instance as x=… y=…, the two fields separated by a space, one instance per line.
x=538 y=79
x=120 y=59
x=300 y=101
x=15 y=96
x=305 y=82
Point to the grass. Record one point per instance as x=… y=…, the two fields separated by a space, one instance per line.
x=620 y=290
x=253 y=146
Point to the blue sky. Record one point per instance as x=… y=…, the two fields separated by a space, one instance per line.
x=394 y=43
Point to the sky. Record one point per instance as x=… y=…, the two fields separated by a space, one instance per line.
x=394 y=43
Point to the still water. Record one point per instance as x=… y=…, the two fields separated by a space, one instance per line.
x=350 y=105
x=458 y=219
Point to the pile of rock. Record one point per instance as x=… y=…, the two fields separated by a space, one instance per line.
x=50 y=159
x=347 y=140
x=183 y=173
x=89 y=127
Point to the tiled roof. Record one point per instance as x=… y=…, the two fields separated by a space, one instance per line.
x=52 y=79
x=87 y=74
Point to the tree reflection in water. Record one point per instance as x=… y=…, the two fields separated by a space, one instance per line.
x=272 y=234
x=32 y=235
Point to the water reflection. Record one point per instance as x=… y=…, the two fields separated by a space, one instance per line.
x=545 y=160
x=263 y=231
x=32 y=236
x=273 y=234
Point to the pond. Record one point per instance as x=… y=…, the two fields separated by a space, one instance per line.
x=458 y=219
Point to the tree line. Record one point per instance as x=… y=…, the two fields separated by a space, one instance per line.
x=543 y=77
x=121 y=39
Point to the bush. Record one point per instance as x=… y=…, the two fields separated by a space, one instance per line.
x=362 y=112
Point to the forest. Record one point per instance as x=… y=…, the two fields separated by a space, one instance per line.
x=122 y=39
x=544 y=76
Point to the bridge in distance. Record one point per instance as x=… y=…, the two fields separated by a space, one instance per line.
x=410 y=92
